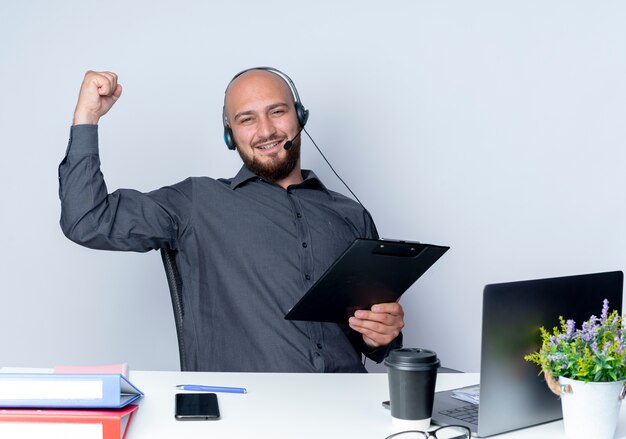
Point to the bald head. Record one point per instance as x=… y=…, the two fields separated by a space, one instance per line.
x=255 y=86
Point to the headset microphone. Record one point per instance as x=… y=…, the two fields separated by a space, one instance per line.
x=289 y=143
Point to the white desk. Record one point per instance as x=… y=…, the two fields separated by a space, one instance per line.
x=294 y=406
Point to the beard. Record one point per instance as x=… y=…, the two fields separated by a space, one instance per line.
x=276 y=168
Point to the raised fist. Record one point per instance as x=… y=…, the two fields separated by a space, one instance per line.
x=98 y=93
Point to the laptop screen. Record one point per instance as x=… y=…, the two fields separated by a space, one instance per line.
x=512 y=394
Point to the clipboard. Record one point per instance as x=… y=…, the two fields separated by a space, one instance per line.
x=370 y=271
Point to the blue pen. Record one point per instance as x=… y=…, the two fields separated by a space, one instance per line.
x=198 y=388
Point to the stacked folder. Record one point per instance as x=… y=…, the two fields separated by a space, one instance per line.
x=66 y=405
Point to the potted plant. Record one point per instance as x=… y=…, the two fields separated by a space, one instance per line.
x=589 y=364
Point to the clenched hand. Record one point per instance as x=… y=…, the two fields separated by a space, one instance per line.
x=98 y=93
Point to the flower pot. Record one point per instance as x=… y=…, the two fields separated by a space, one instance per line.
x=590 y=410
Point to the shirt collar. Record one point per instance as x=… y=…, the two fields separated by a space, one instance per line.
x=242 y=176
x=310 y=180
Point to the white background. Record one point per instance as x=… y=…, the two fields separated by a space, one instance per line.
x=495 y=127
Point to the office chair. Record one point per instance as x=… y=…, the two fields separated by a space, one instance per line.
x=175 y=284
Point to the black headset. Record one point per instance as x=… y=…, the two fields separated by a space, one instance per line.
x=301 y=112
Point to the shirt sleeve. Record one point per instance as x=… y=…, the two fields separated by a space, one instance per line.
x=370 y=228
x=125 y=219
x=379 y=354
x=374 y=354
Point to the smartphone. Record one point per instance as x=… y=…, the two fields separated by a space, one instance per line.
x=196 y=406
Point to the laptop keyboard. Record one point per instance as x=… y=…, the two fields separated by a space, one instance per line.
x=467 y=413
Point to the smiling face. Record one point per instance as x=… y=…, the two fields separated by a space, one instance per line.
x=260 y=110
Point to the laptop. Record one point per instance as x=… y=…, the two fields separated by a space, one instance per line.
x=512 y=394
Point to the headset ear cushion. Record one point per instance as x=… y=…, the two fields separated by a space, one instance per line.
x=228 y=138
x=302 y=114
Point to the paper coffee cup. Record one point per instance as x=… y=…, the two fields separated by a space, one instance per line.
x=412 y=374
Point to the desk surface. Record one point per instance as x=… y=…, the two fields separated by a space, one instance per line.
x=294 y=406
x=291 y=406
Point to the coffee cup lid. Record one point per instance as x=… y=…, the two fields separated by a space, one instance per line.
x=412 y=359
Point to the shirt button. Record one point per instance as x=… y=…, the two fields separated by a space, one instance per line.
x=307 y=276
x=305 y=245
x=289 y=191
x=319 y=345
x=299 y=215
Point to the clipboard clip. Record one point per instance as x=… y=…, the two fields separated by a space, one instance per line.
x=398 y=249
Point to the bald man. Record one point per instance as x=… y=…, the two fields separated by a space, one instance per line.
x=248 y=247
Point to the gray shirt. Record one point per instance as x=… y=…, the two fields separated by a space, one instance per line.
x=247 y=251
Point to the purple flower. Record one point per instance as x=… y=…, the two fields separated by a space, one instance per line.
x=614 y=321
x=571 y=327
x=553 y=341
x=555 y=358
x=594 y=347
x=620 y=344
x=606 y=347
x=587 y=332
x=605 y=309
